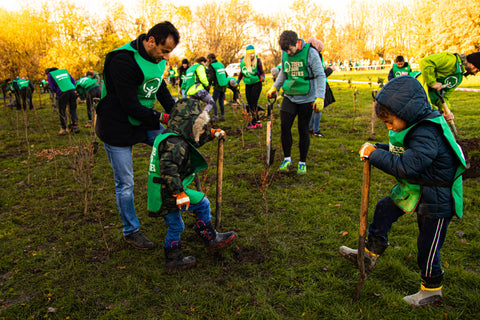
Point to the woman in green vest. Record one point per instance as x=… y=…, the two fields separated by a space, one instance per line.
x=251 y=71
x=423 y=156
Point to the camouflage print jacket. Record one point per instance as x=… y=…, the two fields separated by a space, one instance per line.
x=175 y=158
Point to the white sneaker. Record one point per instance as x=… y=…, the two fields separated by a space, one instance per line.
x=370 y=259
x=425 y=298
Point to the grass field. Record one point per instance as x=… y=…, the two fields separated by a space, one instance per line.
x=62 y=255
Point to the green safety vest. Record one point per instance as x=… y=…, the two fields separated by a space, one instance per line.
x=449 y=82
x=191 y=77
x=296 y=69
x=22 y=83
x=407 y=195
x=171 y=73
x=220 y=72
x=62 y=79
x=154 y=202
x=152 y=79
x=87 y=83
x=43 y=83
x=249 y=77
x=406 y=70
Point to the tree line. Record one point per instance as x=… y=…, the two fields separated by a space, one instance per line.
x=62 y=34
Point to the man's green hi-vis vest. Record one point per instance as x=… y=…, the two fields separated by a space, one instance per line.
x=22 y=83
x=296 y=69
x=407 y=195
x=62 y=79
x=152 y=79
x=154 y=203
x=220 y=72
x=449 y=82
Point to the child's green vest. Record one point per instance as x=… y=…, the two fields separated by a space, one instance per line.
x=155 y=188
x=296 y=69
x=407 y=195
x=220 y=72
x=62 y=79
x=249 y=77
x=152 y=79
x=449 y=82
x=406 y=70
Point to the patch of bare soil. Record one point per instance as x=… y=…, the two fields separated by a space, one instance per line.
x=470 y=149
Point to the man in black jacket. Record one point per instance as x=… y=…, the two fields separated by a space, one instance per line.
x=125 y=115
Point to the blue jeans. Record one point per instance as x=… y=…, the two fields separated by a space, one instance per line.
x=175 y=223
x=122 y=164
x=220 y=96
x=315 y=122
x=432 y=232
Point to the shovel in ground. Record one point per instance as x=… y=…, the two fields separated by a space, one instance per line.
x=447 y=111
x=363 y=228
x=270 y=151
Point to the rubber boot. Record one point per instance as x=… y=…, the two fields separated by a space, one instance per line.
x=175 y=261
x=430 y=292
x=213 y=240
x=374 y=247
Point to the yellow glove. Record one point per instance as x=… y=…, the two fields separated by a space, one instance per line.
x=318 y=105
x=271 y=92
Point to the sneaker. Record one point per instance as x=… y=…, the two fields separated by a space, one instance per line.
x=285 y=166
x=89 y=124
x=222 y=118
x=302 y=168
x=75 y=129
x=251 y=126
x=139 y=241
x=425 y=298
x=62 y=132
x=258 y=125
x=370 y=259
x=318 y=134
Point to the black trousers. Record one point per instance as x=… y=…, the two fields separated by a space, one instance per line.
x=304 y=112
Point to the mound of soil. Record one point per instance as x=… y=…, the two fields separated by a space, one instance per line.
x=471 y=148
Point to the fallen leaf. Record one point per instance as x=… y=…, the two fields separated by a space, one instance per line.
x=461 y=234
x=52 y=310
x=121 y=267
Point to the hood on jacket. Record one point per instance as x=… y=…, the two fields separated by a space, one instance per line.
x=187 y=119
x=407 y=99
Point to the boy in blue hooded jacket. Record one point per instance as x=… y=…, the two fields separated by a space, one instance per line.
x=424 y=157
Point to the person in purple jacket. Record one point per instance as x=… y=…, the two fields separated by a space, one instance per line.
x=63 y=84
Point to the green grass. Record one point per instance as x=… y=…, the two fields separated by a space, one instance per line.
x=57 y=262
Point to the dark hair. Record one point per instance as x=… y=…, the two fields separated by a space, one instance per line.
x=48 y=70
x=185 y=61
x=383 y=111
x=287 y=38
x=399 y=59
x=211 y=56
x=200 y=60
x=161 y=31
x=90 y=73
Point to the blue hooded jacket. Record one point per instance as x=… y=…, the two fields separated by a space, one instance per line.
x=428 y=160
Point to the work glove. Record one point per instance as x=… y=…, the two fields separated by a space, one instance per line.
x=271 y=92
x=365 y=150
x=217 y=133
x=182 y=200
x=164 y=118
x=318 y=105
